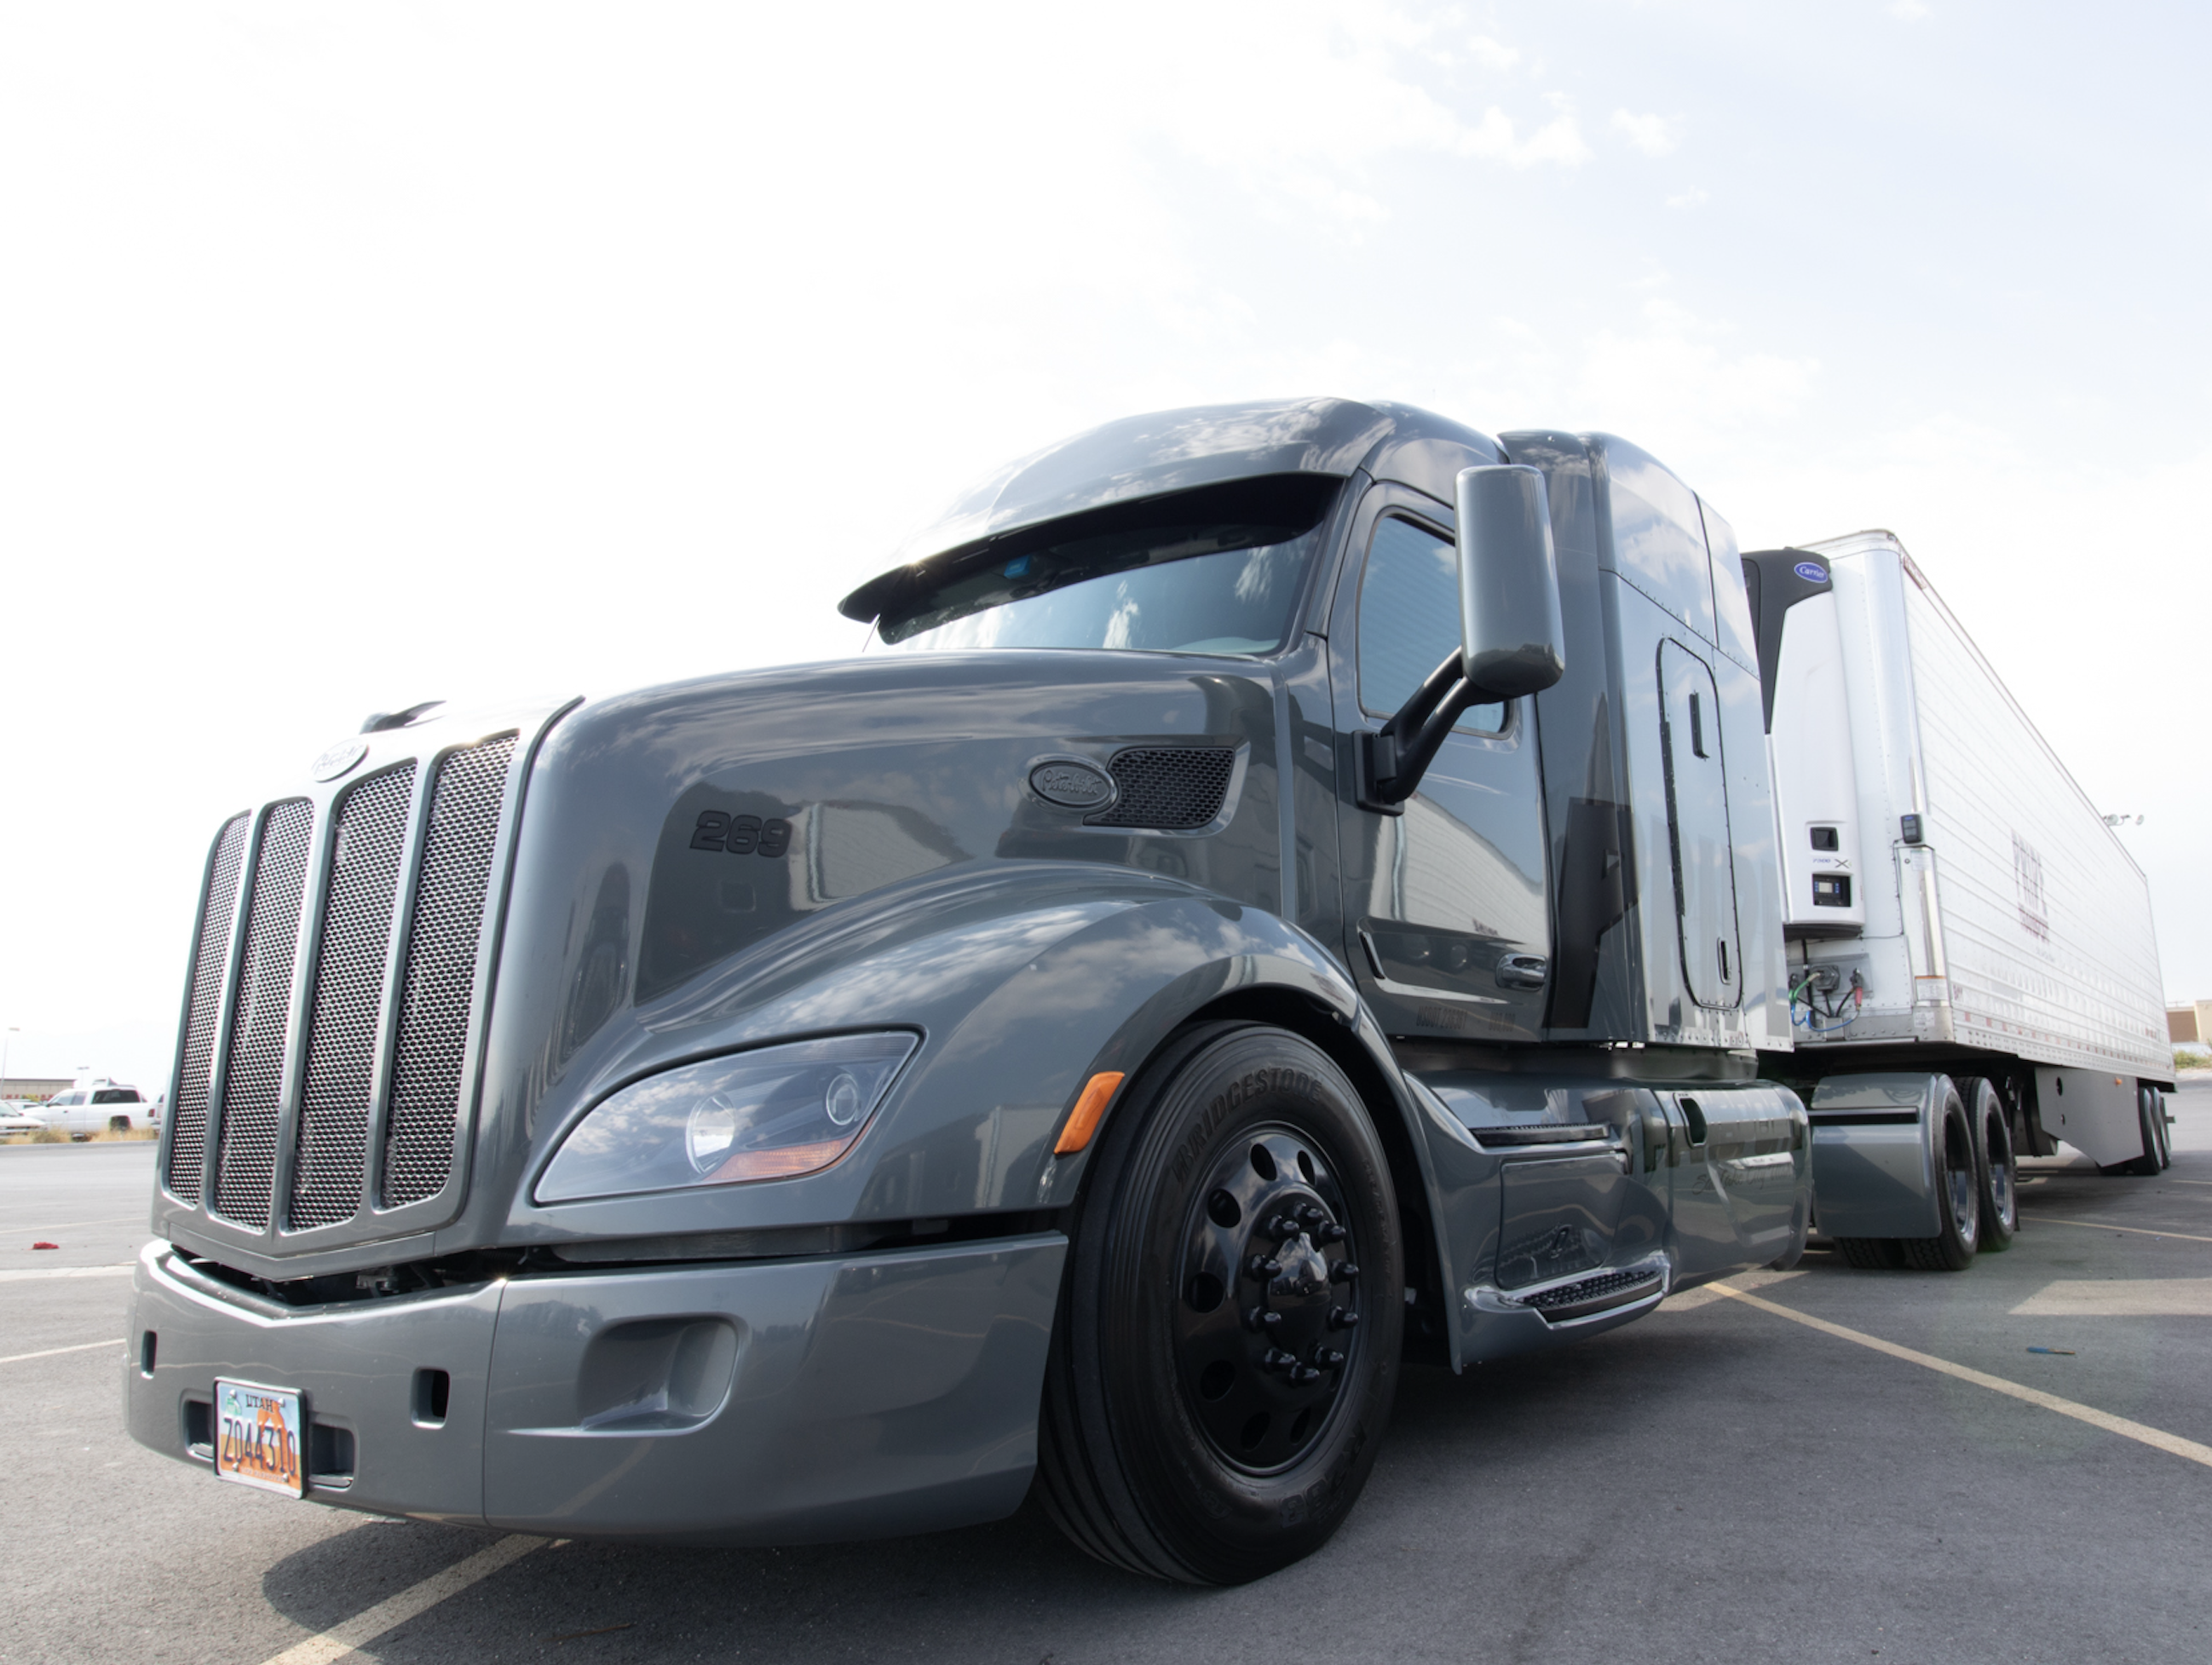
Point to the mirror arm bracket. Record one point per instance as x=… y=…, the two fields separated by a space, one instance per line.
x=1393 y=760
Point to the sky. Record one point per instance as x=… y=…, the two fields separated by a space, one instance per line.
x=352 y=356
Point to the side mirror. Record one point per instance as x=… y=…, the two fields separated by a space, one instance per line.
x=1511 y=639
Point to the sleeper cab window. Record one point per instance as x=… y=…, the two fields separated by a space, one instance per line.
x=1409 y=620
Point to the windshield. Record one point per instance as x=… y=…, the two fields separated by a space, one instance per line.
x=1183 y=584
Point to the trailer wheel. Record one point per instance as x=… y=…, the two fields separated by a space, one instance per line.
x=1958 y=1197
x=1996 y=1167
x=1226 y=1347
x=2150 y=1121
x=2156 y=1097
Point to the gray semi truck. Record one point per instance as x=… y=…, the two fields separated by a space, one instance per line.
x=1288 y=888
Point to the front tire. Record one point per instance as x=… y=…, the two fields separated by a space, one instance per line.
x=1226 y=1348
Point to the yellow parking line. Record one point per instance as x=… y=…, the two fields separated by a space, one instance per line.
x=2158 y=1439
x=396 y=1610
x=2103 y=1225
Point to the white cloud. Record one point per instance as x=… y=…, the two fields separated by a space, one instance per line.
x=1559 y=140
x=1652 y=135
x=1692 y=199
x=1910 y=10
x=1493 y=54
x=1674 y=384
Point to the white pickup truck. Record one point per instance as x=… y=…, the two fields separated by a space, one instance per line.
x=99 y=1106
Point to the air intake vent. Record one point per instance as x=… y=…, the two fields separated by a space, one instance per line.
x=247 y=1166
x=348 y=999
x=437 y=1000
x=188 y=1116
x=1167 y=789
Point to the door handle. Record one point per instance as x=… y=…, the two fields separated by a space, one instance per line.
x=1523 y=970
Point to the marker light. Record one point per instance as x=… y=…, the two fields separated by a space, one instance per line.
x=764 y=1114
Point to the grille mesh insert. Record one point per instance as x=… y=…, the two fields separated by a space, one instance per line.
x=437 y=994
x=246 y=1166
x=334 y=1100
x=188 y=1117
x=1169 y=788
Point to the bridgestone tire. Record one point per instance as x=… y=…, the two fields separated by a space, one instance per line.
x=1995 y=1170
x=1129 y=1465
x=1958 y=1197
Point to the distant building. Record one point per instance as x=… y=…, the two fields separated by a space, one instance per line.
x=2189 y=1025
x=37 y=1089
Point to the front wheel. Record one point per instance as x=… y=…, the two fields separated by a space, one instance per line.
x=1226 y=1348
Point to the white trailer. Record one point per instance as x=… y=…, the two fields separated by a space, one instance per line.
x=1959 y=916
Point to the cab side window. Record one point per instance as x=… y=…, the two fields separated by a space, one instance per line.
x=1409 y=620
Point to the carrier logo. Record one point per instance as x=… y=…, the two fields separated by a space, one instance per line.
x=1811 y=571
x=1072 y=783
x=338 y=759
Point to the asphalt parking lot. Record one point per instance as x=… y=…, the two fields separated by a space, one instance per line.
x=1722 y=1480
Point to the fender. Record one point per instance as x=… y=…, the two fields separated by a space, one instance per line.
x=1024 y=982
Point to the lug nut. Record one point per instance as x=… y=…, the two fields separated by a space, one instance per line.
x=1343 y=1272
x=1259 y=1266
x=1311 y=1216
x=1328 y=1358
x=1259 y=1318
x=1279 y=1227
x=1331 y=1233
x=1277 y=1360
x=1342 y=1318
x=1302 y=1374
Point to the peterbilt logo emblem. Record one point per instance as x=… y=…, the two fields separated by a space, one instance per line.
x=1072 y=783
x=338 y=759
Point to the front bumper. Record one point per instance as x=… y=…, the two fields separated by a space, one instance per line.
x=736 y=1402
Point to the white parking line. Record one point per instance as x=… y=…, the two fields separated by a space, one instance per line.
x=2158 y=1439
x=30 y=1274
x=396 y=1610
x=2120 y=1298
x=49 y=1352
x=2106 y=1226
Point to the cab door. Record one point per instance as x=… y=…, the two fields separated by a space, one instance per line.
x=1446 y=925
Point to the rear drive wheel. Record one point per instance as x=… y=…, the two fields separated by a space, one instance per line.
x=1870 y=1253
x=1957 y=1196
x=1995 y=1170
x=1226 y=1348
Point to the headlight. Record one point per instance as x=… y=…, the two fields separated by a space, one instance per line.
x=765 y=1114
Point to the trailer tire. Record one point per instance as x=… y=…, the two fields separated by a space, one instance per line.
x=1997 y=1170
x=2163 y=1134
x=1958 y=1197
x=2148 y=1122
x=1177 y=1438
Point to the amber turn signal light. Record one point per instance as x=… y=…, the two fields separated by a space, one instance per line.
x=1097 y=1092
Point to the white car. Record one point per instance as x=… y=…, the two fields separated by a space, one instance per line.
x=15 y=1117
x=100 y=1106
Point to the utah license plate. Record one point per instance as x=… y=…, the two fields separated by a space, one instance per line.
x=259 y=1437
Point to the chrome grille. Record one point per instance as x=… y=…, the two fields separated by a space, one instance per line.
x=211 y=954
x=437 y=996
x=280 y=1069
x=348 y=999
x=1167 y=789
x=246 y=1164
